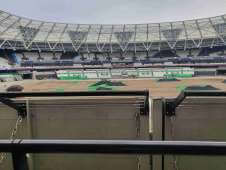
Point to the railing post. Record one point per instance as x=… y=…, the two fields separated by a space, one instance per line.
x=20 y=161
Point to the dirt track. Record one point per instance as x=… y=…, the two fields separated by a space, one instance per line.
x=157 y=89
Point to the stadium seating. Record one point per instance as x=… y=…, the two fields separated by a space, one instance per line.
x=4 y=63
x=32 y=56
x=35 y=59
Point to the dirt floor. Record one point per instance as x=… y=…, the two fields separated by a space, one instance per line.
x=157 y=89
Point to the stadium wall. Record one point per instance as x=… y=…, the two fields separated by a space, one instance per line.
x=125 y=73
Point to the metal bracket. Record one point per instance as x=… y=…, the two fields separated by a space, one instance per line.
x=145 y=109
x=20 y=108
x=170 y=108
x=171 y=105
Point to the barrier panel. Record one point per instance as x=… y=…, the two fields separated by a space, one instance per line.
x=103 y=115
x=192 y=116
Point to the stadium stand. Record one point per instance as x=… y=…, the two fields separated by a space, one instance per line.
x=31 y=43
x=4 y=63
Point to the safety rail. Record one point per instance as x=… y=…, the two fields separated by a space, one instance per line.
x=19 y=148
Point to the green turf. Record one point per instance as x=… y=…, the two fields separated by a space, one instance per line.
x=59 y=89
x=181 y=87
x=100 y=86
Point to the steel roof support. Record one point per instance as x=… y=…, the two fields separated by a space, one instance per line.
x=134 y=40
x=168 y=42
x=72 y=41
x=112 y=31
x=4 y=19
x=50 y=31
x=3 y=42
x=200 y=32
x=79 y=43
x=198 y=27
x=216 y=31
x=85 y=41
x=11 y=25
x=186 y=35
x=148 y=44
x=38 y=30
x=10 y=44
x=145 y=44
x=147 y=34
x=123 y=49
x=212 y=44
x=19 y=33
x=61 y=35
x=98 y=38
x=124 y=38
x=160 y=37
x=39 y=50
x=62 y=45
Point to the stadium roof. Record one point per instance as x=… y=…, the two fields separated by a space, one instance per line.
x=19 y=32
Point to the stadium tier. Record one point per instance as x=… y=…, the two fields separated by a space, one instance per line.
x=29 y=42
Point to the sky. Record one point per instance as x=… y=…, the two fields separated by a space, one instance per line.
x=114 y=11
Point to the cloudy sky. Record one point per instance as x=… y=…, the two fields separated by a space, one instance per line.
x=114 y=11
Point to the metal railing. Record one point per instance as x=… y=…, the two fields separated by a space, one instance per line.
x=19 y=148
x=7 y=98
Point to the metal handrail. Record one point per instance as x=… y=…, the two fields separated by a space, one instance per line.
x=114 y=147
x=19 y=148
